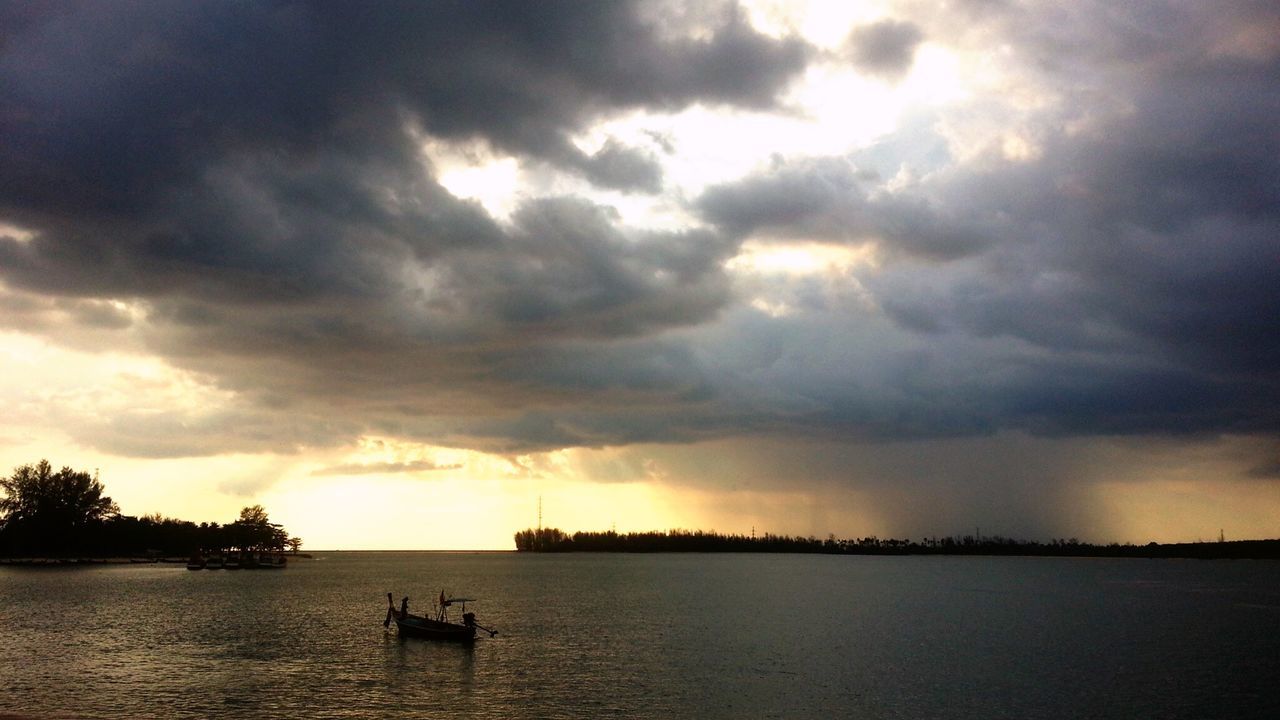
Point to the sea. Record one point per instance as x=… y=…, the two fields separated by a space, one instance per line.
x=649 y=636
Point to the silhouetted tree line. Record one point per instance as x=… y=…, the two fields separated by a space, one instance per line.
x=66 y=514
x=542 y=540
x=556 y=540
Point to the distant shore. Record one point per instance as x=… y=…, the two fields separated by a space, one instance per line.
x=553 y=540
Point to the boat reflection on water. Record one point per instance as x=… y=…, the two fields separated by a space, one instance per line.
x=439 y=627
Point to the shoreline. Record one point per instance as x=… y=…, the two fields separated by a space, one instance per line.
x=37 y=561
x=711 y=543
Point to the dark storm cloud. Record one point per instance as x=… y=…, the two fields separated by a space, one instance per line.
x=831 y=199
x=106 y=105
x=1118 y=281
x=565 y=269
x=1153 y=235
x=886 y=48
x=623 y=168
x=252 y=178
x=256 y=228
x=270 y=152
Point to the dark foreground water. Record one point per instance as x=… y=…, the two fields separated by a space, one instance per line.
x=690 y=636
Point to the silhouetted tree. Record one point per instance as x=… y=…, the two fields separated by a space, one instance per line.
x=543 y=540
x=48 y=510
x=255 y=531
x=67 y=496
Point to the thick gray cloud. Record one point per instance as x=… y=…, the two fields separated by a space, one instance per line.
x=566 y=270
x=886 y=48
x=623 y=168
x=831 y=199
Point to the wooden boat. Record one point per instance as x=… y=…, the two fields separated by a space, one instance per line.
x=272 y=562
x=438 y=628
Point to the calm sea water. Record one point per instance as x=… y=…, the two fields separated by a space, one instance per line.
x=690 y=636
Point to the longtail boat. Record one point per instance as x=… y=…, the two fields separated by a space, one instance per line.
x=439 y=627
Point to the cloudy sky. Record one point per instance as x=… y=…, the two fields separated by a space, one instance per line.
x=396 y=271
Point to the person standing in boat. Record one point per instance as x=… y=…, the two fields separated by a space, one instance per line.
x=404 y=607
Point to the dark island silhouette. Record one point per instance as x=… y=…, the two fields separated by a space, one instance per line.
x=66 y=514
x=556 y=540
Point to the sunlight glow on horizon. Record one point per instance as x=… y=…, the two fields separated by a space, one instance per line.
x=457 y=513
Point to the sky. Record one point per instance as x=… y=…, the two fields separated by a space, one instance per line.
x=403 y=273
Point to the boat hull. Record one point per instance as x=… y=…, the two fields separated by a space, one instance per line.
x=428 y=629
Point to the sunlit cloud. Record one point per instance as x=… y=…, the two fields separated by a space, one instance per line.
x=825 y=23
x=494 y=184
x=800 y=258
x=17 y=233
